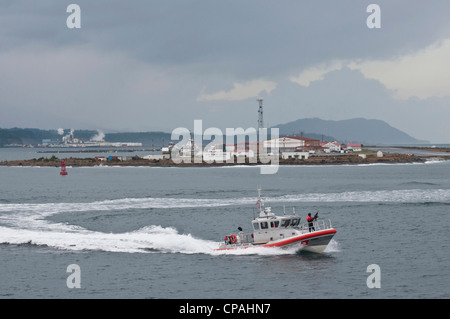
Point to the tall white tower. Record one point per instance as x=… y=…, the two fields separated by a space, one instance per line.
x=260 y=114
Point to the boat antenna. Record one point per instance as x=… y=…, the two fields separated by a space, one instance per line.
x=260 y=202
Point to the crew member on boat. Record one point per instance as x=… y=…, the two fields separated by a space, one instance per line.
x=310 y=221
x=240 y=235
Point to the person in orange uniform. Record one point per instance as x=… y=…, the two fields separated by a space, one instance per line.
x=310 y=221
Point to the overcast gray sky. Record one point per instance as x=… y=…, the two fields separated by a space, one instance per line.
x=158 y=65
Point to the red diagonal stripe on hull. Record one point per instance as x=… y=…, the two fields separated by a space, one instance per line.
x=302 y=237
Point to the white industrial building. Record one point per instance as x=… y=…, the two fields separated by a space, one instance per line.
x=292 y=143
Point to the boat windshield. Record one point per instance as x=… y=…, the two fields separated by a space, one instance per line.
x=290 y=222
x=275 y=224
x=295 y=221
x=285 y=222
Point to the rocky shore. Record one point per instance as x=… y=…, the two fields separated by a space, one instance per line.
x=340 y=159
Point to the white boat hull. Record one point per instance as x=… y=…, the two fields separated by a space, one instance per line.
x=316 y=242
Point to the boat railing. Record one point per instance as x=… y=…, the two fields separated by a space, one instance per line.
x=241 y=239
x=320 y=224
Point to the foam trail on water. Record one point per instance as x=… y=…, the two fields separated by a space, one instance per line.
x=146 y=240
x=407 y=195
x=263 y=251
x=150 y=239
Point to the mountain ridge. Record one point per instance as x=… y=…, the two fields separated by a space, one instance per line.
x=356 y=130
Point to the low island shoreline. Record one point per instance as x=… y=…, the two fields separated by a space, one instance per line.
x=339 y=159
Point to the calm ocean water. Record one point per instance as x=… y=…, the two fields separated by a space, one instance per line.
x=140 y=232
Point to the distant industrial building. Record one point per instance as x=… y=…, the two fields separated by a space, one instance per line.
x=48 y=142
x=70 y=141
x=293 y=143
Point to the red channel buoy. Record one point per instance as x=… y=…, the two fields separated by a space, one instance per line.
x=63 y=168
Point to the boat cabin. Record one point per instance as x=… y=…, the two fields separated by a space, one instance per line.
x=268 y=227
x=276 y=222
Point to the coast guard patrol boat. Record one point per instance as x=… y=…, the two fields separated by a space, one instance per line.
x=270 y=230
